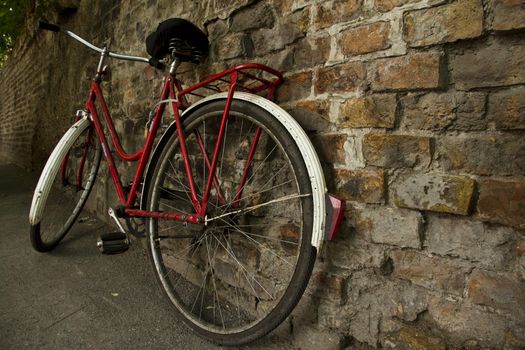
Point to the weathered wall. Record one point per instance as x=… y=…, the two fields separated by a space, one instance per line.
x=417 y=109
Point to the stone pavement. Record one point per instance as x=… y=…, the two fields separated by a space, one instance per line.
x=75 y=297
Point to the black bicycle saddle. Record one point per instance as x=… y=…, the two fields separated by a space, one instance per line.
x=180 y=37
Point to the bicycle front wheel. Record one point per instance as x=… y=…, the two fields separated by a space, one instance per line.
x=70 y=187
x=239 y=276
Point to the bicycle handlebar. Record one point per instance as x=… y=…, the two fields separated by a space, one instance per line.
x=48 y=26
x=54 y=28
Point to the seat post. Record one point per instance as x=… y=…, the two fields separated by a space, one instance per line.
x=174 y=65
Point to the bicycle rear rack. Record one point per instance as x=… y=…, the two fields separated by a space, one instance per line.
x=254 y=78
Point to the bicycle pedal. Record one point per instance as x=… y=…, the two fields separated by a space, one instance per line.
x=113 y=243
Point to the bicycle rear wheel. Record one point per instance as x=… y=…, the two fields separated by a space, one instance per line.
x=237 y=278
x=70 y=188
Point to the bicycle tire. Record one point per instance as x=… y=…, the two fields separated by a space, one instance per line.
x=297 y=239
x=67 y=197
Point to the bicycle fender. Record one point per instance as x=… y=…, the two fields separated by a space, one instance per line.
x=51 y=168
x=313 y=165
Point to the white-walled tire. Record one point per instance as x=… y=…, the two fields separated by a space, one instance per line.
x=59 y=197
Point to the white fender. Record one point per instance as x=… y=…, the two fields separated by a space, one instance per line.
x=304 y=144
x=51 y=168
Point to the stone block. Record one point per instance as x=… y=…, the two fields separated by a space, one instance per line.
x=223 y=8
x=295 y=87
x=501 y=291
x=376 y=111
x=508 y=15
x=258 y=16
x=310 y=52
x=499 y=61
x=461 y=19
x=345 y=77
x=288 y=30
x=330 y=147
x=445 y=111
x=422 y=70
x=431 y=272
x=396 y=151
x=233 y=45
x=434 y=192
x=465 y=324
x=373 y=301
x=355 y=254
x=305 y=312
x=330 y=315
x=365 y=39
x=390 y=226
x=502 y=202
x=387 y=5
x=283 y=6
x=366 y=186
x=312 y=338
x=312 y=115
x=485 y=245
x=497 y=154
x=514 y=340
x=326 y=285
x=410 y=338
x=332 y=12
x=507 y=109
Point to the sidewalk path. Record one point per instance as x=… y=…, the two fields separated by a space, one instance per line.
x=75 y=297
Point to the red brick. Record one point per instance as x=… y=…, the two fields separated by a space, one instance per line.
x=332 y=12
x=414 y=71
x=507 y=109
x=345 y=77
x=502 y=202
x=376 y=111
x=365 y=39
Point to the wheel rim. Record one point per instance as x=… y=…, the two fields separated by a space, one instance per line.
x=67 y=195
x=233 y=274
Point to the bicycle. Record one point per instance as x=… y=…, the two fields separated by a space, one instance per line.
x=232 y=197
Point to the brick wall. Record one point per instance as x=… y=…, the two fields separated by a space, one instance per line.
x=417 y=109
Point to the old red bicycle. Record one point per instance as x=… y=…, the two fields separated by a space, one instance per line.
x=232 y=196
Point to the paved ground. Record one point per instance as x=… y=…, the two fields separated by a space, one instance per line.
x=74 y=297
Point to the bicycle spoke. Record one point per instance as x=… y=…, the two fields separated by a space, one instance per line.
x=243 y=268
x=257 y=206
x=180 y=181
x=254 y=173
x=261 y=245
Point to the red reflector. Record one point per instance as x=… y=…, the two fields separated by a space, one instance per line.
x=335 y=212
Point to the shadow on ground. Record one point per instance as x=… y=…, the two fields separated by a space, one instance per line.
x=76 y=298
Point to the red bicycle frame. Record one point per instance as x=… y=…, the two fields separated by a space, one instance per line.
x=236 y=78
